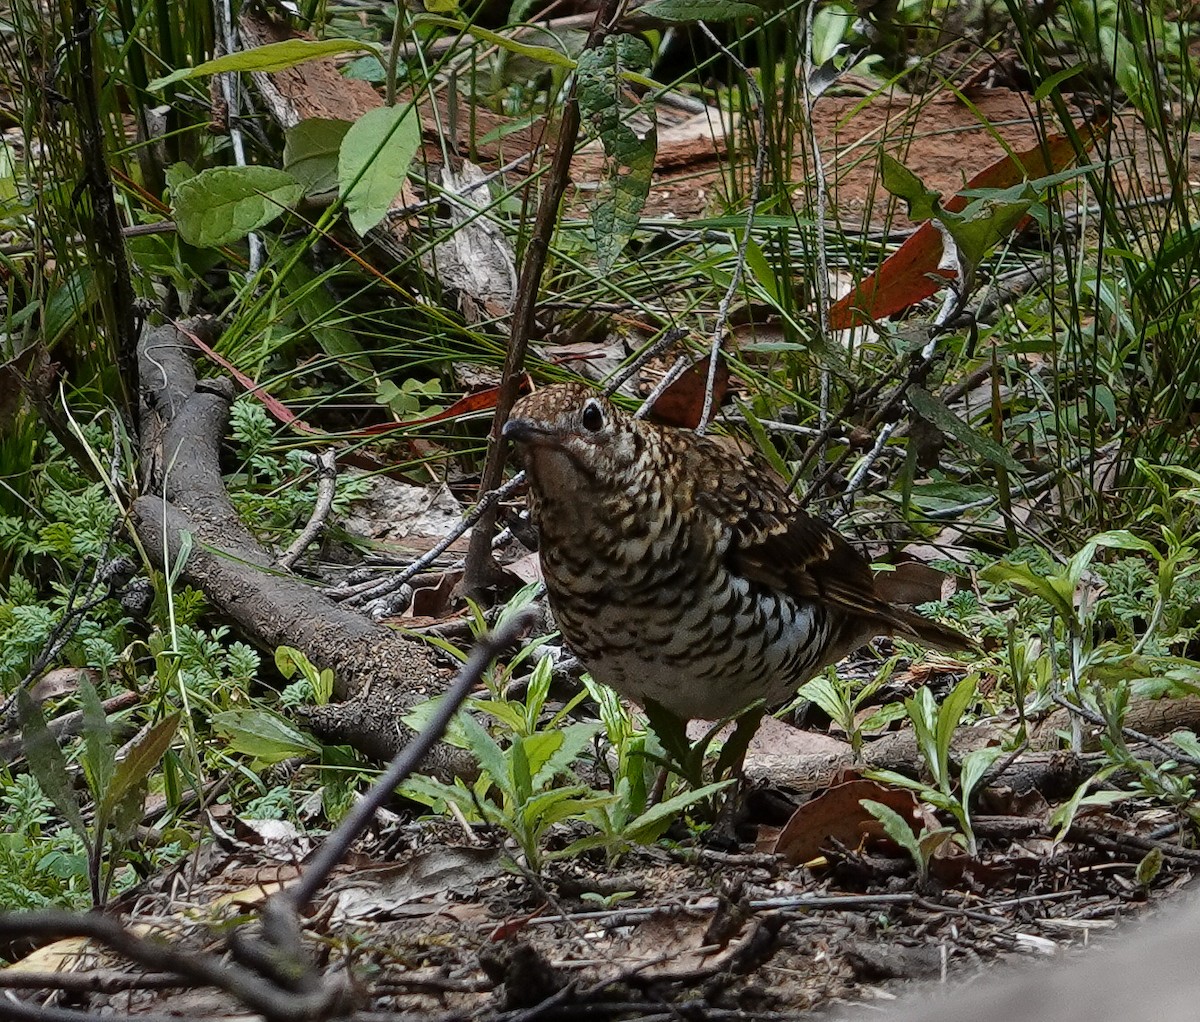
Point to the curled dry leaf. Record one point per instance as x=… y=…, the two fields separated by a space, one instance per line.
x=838 y=814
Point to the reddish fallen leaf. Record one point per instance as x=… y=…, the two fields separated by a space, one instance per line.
x=913 y=582
x=838 y=814
x=511 y=927
x=682 y=403
x=909 y=274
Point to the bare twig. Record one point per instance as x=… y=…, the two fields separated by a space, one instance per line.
x=325 y=464
x=299 y=994
x=480 y=569
x=376 y=589
x=1170 y=751
x=111 y=264
x=248 y=987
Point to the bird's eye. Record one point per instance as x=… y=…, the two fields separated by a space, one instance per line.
x=593 y=417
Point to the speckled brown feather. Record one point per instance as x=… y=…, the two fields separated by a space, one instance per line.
x=680 y=570
x=782 y=546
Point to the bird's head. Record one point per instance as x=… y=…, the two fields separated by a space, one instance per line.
x=570 y=436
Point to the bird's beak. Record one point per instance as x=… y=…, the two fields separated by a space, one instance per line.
x=525 y=431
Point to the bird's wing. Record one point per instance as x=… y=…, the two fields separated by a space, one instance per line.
x=773 y=542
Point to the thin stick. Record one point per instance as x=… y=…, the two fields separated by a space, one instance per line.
x=325 y=464
x=480 y=567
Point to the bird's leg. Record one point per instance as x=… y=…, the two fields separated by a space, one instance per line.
x=682 y=756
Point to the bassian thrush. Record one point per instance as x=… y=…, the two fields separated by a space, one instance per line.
x=680 y=571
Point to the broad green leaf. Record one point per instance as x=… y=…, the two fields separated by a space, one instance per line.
x=265 y=736
x=540 y=748
x=894 y=826
x=47 y=763
x=937 y=412
x=223 y=204
x=984 y=223
x=629 y=158
x=655 y=820
x=820 y=690
x=436 y=794
x=484 y=748
x=271 y=57
x=698 y=10
x=558 y=804
x=310 y=152
x=374 y=160
x=1024 y=577
x=176 y=174
x=575 y=738
x=974 y=765
x=951 y=713
x=522 y=776
x=1050 y=85
x=1064 y=816
x=923 y=203
x=67 y=303
x=1149 y=867
x=144 y=756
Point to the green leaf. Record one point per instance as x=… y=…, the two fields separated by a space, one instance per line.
x=984 y=223
x=484 y=748
x=47 y=763
x=1064 y=816
x=99 y=755
x=923 y=203
x=950 y=715
x=1024 y=577
x=1149 y=867
x=374 y=160
x=223 y=204
x=436 y=794
x=895 y=826
x=974 y=765
x=698 y=10
x=176 y=174
x=144 y=756
x=650 y=825
x=522 y=776
x=936 y=411
x=1051 y=84
x=629 y=157
x=271 y=57
x=575 y=738
x=539 y=748
x=821 y=690
x=310 y=152
x=265 y=736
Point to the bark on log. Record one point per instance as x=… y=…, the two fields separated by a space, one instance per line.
x=378 y=673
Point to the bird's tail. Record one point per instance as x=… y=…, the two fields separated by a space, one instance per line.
x=928 y=632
